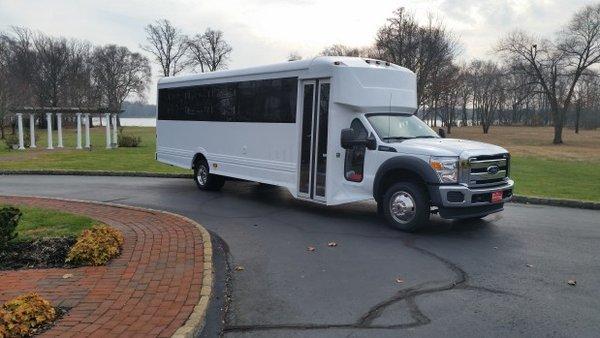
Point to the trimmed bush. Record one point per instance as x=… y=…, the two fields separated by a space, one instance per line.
x=96 y=246
x=21 y=316
x=9 y=219
x=12 y=141
x=128 y=141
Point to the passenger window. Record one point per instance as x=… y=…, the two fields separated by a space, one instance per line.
x=355 y=156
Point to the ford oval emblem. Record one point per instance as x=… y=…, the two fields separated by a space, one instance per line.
x=493 y=169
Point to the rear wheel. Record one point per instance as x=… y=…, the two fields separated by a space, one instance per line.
x=204 y=179
x=406 y=206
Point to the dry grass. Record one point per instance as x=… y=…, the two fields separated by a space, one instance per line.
x=537 y=141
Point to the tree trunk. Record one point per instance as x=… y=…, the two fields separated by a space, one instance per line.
x=577 y=113
x=558 y=134
x=557 y=117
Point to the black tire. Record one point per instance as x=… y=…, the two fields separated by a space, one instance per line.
x=402 y=215
x=204 y=179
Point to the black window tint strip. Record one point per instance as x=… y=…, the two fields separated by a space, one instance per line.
x=267 y=101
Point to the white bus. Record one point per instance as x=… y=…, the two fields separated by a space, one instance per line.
x=330 y=130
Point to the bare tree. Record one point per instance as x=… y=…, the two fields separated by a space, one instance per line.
x=22 y=61
x=4 y=80
x=51 y=75
x=80 y=90
x=209 y=51
x=168 y=45
x=119 y=73
x=488 y=91
x=294 y=56
x=422 y=49
x=341 y=50
x=557 y=66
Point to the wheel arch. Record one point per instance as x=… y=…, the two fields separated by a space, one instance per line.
x=197 y=157
x=402 y=168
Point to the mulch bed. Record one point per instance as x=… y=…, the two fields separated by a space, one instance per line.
x=49 y=252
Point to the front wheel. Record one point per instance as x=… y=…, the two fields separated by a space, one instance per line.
x=204 y=179
x=406 y=206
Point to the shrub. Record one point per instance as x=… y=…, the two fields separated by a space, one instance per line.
x=9 y=219
x=12 y=140
x=96 y=246
x=125 y=140
x=21 y=316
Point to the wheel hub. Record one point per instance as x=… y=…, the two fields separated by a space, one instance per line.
x=202 y=175
x=402 y=207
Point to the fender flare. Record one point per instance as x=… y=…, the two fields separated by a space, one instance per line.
x=408 y=163
x=195 y=158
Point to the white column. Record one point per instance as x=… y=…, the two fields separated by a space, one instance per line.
x=107 y=116
x=87 y=130
x=31 y=130
x=49 y=123
x=59 y=127
x=114 y=122
x=78 y=131
x=20 y=125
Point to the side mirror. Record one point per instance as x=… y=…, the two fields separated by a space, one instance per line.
x=349 y=140
x=442 y=133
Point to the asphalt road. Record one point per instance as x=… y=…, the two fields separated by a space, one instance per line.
x=503 y=276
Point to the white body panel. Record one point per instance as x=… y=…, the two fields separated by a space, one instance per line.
x=270 y=152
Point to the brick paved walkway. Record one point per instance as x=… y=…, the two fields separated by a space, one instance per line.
x=150 y=290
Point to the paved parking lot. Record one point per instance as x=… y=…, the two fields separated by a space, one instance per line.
x=505 y=275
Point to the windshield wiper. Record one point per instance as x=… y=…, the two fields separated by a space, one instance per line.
x=425 y=136
x=396 y=138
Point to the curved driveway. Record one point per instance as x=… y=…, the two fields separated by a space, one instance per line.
x=505 y=275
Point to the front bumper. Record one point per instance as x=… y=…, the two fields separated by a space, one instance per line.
x=460 y=196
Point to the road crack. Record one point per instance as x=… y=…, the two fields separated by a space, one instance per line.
x=409 y=295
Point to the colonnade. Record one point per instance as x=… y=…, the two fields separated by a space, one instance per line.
x=82 y=119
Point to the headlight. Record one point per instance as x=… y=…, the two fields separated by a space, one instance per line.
x=446 y=168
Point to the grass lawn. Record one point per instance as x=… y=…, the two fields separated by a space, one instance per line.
x=99 y=158
x=38 y=222
x=542 y=169
x=544 y=177
x=571 y=170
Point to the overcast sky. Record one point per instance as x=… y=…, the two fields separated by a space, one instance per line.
x=266 y=31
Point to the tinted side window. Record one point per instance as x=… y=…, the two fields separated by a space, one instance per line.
x=272 y=100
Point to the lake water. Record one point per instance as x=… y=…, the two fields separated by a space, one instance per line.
x=130 y=121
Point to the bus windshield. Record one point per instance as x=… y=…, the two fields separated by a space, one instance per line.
x=396 y=127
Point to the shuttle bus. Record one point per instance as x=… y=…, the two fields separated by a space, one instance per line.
x=330 y=130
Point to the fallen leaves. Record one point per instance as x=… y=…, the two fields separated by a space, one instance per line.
x=312 y=248
x=399 y=280
x=529 y=265
x=572 y=282
x=239 y=268
x=67 y=276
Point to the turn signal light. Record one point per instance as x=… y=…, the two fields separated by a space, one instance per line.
x=437 y=165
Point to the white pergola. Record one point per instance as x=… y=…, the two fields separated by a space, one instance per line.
x=86 y=113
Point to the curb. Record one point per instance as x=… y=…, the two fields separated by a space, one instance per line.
x=557 y=202
x=197 y=319
x=94 y=173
